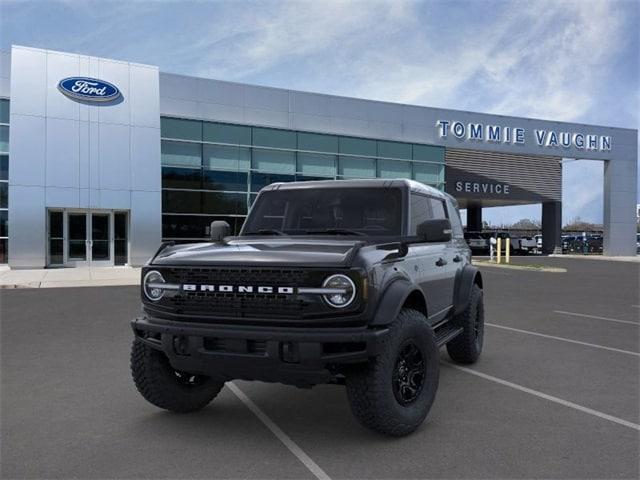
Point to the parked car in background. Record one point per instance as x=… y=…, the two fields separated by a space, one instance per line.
x=538 y=247
x=478 y=243
x=528 y=245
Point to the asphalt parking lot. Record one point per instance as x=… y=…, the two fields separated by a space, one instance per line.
x=555 y=395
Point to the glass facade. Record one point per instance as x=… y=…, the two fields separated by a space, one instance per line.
x=212 y=171
x=4 y=180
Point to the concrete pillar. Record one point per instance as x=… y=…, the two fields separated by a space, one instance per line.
x=474 y=218
x=551 y=227
x=620 y=198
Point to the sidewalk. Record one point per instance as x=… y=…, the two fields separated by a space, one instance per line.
x=635 y=258
x=69 y=277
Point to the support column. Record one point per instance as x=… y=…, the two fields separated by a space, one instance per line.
x=551 y=227
x=620 y=191
x=474 y=218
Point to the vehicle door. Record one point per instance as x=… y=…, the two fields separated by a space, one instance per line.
x=427 y=262
x=453 y=251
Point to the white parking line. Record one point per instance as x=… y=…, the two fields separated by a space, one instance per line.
x=562 y=339
x=596 y=317
x=551 y=398
x=280 y=435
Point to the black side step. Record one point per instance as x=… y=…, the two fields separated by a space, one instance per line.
x=446 y=333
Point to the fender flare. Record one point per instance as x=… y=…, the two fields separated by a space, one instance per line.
x=392 y=300
x=464 y=281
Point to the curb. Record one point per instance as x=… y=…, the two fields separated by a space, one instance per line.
x=521 y=267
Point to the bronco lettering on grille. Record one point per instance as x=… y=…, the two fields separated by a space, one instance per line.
x=190 y=287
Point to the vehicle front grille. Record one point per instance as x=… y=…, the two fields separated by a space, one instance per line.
x=234 y=304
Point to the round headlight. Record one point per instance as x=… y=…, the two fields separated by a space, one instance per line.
x=344 y=291
x=150 y=285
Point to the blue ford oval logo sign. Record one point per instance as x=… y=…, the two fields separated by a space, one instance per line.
x=89 y=89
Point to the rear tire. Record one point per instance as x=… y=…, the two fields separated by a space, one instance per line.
x=163 y=386
x=467 y=347
x=393 y=393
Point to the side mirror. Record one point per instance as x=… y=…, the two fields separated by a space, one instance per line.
x=219 y=230
x=435 y=230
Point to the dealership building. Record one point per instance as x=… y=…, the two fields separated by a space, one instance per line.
x=101 y=160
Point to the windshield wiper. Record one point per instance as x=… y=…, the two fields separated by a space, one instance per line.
x=337 y=231
x=266 y=231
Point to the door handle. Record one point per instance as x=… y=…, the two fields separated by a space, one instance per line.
x=457 y=258
x=441 y=262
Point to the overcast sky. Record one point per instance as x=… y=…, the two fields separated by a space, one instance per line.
x=555 y=60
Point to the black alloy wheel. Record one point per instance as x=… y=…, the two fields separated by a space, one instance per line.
x=408 y=374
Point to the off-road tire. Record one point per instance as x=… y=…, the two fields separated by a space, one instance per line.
x=467 y=347
x=160 y=384
x=370 y=388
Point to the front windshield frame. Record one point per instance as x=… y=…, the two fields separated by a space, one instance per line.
x=249 y=229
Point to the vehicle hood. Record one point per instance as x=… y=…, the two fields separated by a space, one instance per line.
x=259 y=252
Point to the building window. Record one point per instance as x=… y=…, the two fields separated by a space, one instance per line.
x=357 y=167
x=274 y=161
x=4 y=138
x=316 y=164
x=428 y=173
x=225 y=157
x=181 y=129
x=224 y=133
x=181 y=154
x=394 y=169
x=4 y=180
x=394 y=150
x=219 y=180
x=189 y=178
x=214 y=170
x=274 y=138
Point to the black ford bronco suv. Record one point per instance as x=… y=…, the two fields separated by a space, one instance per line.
x=354 y=282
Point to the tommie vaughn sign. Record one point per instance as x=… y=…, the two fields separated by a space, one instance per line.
x=88 y=89
x=478 y=132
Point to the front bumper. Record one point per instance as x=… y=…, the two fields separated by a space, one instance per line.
x=292 y=355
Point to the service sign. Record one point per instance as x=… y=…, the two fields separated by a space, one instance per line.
x=88 y=89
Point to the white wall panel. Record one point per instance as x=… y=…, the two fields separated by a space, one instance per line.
x=27 y=142
x=144 y=97
x=28 y=81
x=223 y=113
x=115 y=199
x=145 y=155
x=28 y=227
x=63 y=153
x=84 y=159
x=266 y=98
x=94 y=155
x=310 y=103
x=62 y=197
x=115 y=156
x=59 y=66
x=146 y=225
x=118 y=74
x=270 y=118
x=223 y=93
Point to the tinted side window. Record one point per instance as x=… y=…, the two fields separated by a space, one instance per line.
x=420 y=212
x=437 y=208
x=456 y=223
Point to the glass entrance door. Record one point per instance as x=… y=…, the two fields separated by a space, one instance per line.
x=87 y=238
x=100 y=240
x=77 y=239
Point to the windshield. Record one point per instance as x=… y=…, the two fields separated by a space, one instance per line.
x=330 y=211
